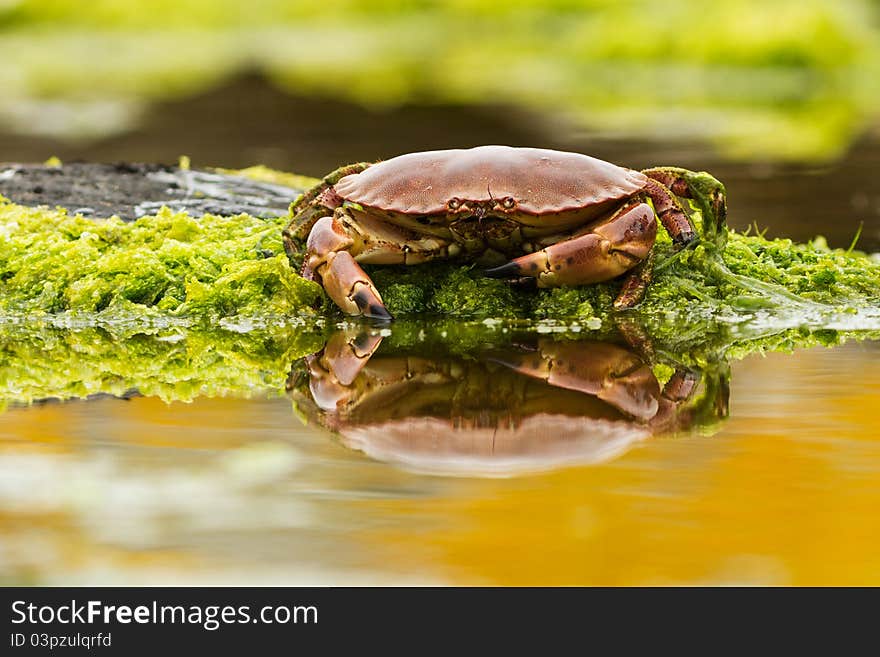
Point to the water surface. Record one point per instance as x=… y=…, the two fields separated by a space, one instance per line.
x=232 y=490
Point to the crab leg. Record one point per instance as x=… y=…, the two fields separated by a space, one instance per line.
x=306 y=218
x=706 y=190
x=346 y=353
x=636 y=284
x=671 y=213
x=379 y=242
x=674 y=412
x=322 y=189
x=344 y=372
x=602 y=251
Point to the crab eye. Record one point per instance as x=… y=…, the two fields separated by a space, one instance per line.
x=453 y=204
x=508 y=203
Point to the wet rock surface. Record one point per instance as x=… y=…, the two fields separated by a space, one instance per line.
x=131 y=190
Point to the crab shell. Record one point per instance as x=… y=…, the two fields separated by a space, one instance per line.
x=528 y=185
x=560 y=218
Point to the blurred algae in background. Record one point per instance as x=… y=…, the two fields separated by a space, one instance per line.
x=785 y=80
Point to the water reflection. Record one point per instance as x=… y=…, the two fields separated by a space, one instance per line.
x=206 y=477
x=507 y=409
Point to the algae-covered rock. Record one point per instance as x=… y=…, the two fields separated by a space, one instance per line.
x=52 y=261
x=172 y=264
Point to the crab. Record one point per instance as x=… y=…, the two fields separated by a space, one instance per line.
x=553 y=217
x=501 y=409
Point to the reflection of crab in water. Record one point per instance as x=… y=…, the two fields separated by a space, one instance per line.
x=554 y=217
x=502 y=411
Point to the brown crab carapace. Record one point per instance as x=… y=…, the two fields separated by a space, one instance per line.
x=559 y=218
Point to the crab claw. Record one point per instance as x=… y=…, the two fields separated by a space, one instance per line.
x=369 y=303
x=610 y=248
x=346 y=354
x=350 y=287
x=330 y=263
x=510 y=269
x=333 y=370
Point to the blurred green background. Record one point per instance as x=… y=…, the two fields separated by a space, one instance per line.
x=787 y=90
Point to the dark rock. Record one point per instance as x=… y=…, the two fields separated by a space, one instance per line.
x=131 y=190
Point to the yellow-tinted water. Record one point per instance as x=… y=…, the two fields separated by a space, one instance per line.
x=785 y=491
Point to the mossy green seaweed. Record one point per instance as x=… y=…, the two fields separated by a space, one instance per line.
x=207 y=268
x=211 y=266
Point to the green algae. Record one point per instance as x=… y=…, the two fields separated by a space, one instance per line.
x=263 y=173
x=171 y=263
x=173 y=364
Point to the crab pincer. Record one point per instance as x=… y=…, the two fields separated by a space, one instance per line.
x=600 y=252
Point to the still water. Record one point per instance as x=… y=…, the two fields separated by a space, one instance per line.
x=784 y=490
